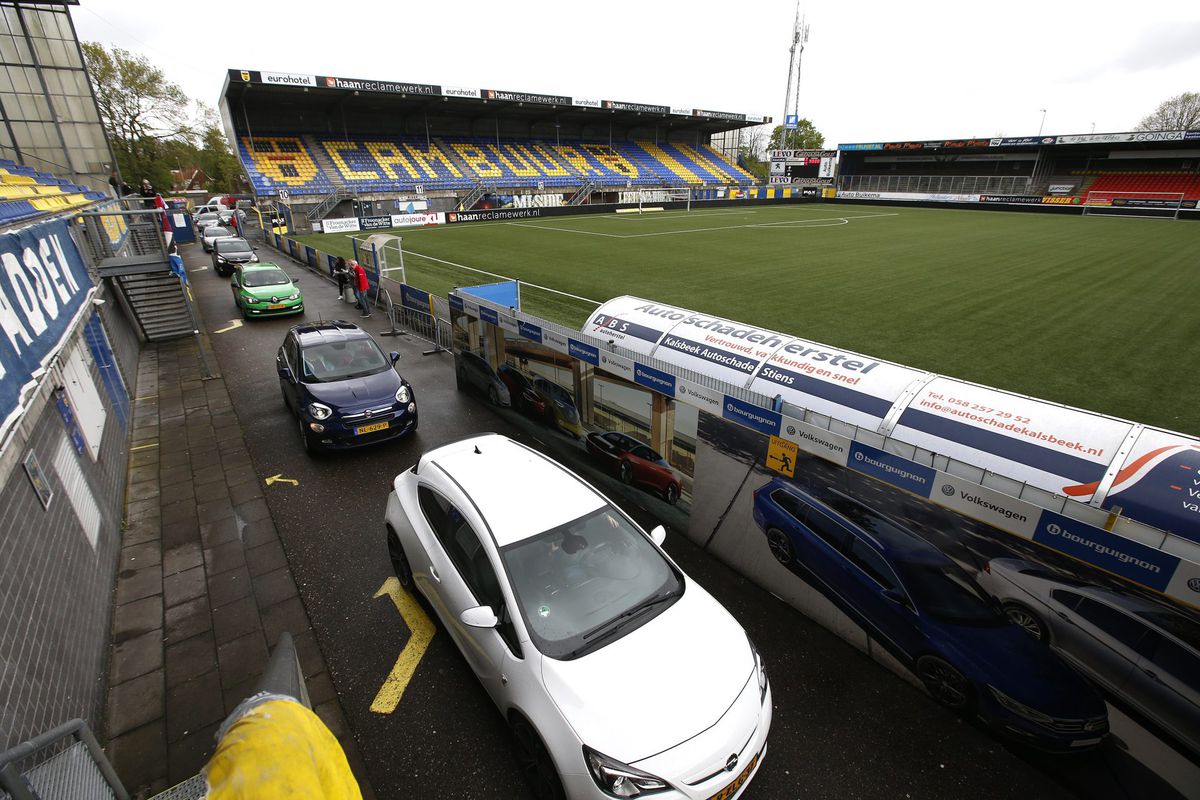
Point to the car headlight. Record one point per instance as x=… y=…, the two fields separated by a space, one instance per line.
x=620 y=780
x=760 y=669
x=220 y=259
x=320 y=411
x=1020 y=709
x=402 y=395
x=292 y=296
x=254 y=257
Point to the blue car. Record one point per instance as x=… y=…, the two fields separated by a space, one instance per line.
x=344 y=391
x=932 y=615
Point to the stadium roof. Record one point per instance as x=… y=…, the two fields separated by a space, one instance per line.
x=321 y=89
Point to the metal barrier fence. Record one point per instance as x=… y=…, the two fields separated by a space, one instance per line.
x=65 y=762
x=936 y=184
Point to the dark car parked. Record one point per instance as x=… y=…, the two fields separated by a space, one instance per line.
x=472 y=372
x=928 y=612
x=344 y=391
x=229 y=252
x=521 y=392
x=634 y=462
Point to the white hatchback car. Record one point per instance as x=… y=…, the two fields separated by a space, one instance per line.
x=619 y=675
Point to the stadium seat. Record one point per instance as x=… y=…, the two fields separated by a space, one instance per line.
x=26 y=193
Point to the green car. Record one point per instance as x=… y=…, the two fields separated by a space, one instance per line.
x=265 y=290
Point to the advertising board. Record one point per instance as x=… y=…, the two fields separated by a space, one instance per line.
x=339 y=225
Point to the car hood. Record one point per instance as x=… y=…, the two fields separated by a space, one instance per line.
x=1026 y=670
x=354 y=393
x=266 y=292
x=658 y=686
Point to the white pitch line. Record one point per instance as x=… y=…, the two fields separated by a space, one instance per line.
x=566 y=230
x=788 y=223
x=505 y=277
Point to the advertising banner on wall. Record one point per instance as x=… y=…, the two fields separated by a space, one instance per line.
x=339 y=225
x=43 y=286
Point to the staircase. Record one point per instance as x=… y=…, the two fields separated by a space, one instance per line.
x=158 y=303
x=328 y=202
x=472 y=198
x=582 y=193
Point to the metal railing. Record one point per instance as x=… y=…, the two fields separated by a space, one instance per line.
x=76 y=769
x=936 y=184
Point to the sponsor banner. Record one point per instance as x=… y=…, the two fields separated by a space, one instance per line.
x=391 y=87
x=489 y=315
x=576 y=101
x=986 y=505
x=1022 y=141
x=776 y=180
x=375 y=223
x=583 y=351
x=289 y=79
x=339 y=225
x=554 y=340
x=456 y=302
x=527 y=97
x=1110 y=552
x=1158 y=483
x=1185 y=583
x=1110 y=138
x=1061 y=188
x=890 y=468
x=1148 y=202
x=495 y=214
x=680 y=111
x=414 y=220
x=471 y=307
x=1191 y=135
x=509 y=324
x=817 y=441
x=701 y=397
x=656 y=379
x=418 y=300
x=750 y=415
x=700 y=112
x=528 y=330
x=801 y=156
x=459 y=91
x=759 y=118
x=1062 y=201
x=810 y=191
x=1012 y=199
x=868 y=146
x=1046 y=445
x=642 y=108
x=412 y=205
x=911 y=197
x=44 y=285
x=616 y=365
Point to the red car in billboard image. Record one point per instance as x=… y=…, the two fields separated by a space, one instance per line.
x=634 y=462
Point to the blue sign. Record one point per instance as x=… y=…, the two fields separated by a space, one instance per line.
x=489 y=315
x=1116 y=554
x=529 y=331
x=791 y=122
x=416 y=299
x=583 y=351
x=504 y=293
x=656 y=379
x=750 y=415
x=715 y=355
x=893 y=469
x=43 y=284
x=456 y=302
x=863 y=146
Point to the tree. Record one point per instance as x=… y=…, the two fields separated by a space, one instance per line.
x=140 y=108
x=805 y=137
x=1180 y=113
x=218 y=162
x=752 y=150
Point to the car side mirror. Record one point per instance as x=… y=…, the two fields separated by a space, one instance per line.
x=394 y=356
x=479 y=617
x=285 y=373
x=295 y=280
x=659 y=535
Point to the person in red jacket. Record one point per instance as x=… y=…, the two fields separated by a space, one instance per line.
x=360 y=287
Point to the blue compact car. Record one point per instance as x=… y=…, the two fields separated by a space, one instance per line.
x=932 y=615
x=344 y=391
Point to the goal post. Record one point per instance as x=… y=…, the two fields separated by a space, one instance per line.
x=652 y=199
x=1155 y=205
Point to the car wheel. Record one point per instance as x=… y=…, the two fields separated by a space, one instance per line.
x=536 y=765
x=671 y=494
x=947 y=685
x=1029 y=621
x=625 y=472
x=310 y=446
x=400 y=564
x=781 y=546
x=493 y=396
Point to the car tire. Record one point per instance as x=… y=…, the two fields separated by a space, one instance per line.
x=946 y=684
x=310 y=447
x=399 y=559
x=625 y=473
x=1028 y=621
x=781 y=546
x=536 y=765
x=671 y=494
x=493 y=396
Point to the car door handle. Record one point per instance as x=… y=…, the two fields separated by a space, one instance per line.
x=1152 y=676
x=433 y=574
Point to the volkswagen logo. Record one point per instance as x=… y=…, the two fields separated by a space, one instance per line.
x=1194 y=584
x=791 y=429
x=731 y=762
x=948 y=490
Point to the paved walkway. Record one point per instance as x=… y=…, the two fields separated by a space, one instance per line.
x=204 y=588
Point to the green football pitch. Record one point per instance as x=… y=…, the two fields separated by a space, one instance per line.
x=1102 y=313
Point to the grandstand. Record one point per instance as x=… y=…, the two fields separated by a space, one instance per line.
x=325 y=140
x=26 y=193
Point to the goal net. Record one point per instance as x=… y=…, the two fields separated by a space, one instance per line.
x=653 y=199
x=1157 y=205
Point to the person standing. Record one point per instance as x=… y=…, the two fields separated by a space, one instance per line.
x=360 y=288
x=341 y=274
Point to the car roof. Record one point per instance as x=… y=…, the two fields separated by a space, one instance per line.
x=212 y=230
x=333 y=330
x=512 y=485
x=228 y=240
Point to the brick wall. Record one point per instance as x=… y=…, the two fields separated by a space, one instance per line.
x=55 y=589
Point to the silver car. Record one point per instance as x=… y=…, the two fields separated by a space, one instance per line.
x=211 y=234
x=1138 y=650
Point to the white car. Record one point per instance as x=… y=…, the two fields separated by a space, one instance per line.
x=211 y=234
x=619 y=675
x=1140 y=651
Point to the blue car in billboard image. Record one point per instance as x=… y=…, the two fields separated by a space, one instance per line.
x=928 y=612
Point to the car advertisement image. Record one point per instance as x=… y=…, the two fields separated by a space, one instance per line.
x=1055 y=658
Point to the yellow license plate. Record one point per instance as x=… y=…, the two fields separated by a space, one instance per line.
x=277 y=306
x=731 y=789
x=374 y=426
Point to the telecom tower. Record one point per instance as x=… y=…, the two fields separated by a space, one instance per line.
x=791 y=99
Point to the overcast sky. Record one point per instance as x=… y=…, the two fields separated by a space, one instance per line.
x=872 y=71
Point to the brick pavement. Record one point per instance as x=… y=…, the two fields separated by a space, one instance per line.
x=204 y=588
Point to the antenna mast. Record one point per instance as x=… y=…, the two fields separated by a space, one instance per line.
x=791 y=99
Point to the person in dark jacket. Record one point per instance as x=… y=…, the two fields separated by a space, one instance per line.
x=342 y=275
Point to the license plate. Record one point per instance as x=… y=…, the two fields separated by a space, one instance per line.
x=374 y=426
x=277 y=306
x=732 y=789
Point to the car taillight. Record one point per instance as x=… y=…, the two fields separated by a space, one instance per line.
x=988 y=568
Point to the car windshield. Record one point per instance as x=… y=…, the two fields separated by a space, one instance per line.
x=944 y=591
x=338 y=361
x=233 y=246
x=265 y=277
x=584 y=584
x=215 y=231
x=206 y=218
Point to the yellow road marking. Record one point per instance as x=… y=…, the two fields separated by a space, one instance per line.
x=278 y=478
x=233 y=325
x=421 y=632
x=146 y=397
x=144 y=446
